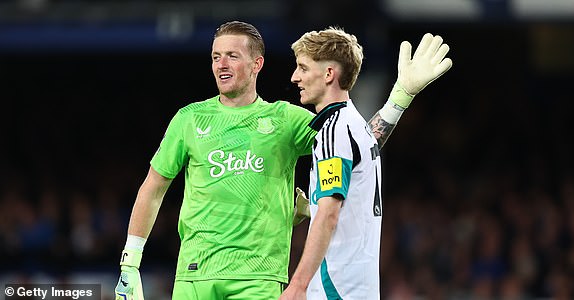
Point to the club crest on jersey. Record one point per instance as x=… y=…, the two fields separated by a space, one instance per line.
x=201 y=133
x=265 y=125
x=330 y=173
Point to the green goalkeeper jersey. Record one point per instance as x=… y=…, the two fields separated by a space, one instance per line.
x=236 y=218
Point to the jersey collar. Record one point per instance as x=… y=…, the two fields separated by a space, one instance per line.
x=327 y=112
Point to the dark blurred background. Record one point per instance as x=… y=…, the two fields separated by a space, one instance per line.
x=478 y=176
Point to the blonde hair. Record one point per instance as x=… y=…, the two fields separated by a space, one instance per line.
x=333 y=44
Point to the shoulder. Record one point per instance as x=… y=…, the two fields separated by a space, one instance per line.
x=197 y=106
x=343 y=121
x=353 y=117
x=289 y=109
x=298 y=110
x=349 y=121
x=278 y=104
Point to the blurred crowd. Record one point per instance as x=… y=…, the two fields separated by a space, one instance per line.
x=478 y=182
x=479 y=237
x=491 y=229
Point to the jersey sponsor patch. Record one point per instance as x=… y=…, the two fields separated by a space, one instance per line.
x=330 y=173
x=233 y=163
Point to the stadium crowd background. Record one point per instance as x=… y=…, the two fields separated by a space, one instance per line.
x=478 y=176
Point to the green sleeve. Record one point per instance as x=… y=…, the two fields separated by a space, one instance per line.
x=171 y=155
x=303 y=135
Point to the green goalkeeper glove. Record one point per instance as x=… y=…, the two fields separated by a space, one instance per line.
x=414 y=74
x=129 y=285
x=301 y=211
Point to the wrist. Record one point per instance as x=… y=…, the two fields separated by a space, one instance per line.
x=135 y=243
x=133 y=251
x=400 y=96
x=131 y=258
x=391 y=112
x=298 y=284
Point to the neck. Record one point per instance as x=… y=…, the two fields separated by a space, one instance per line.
x=339 y=96
x=239 y=100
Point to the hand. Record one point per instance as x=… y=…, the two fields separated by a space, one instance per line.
x=414 y=74
x=292 y=293
x=301 y=211
x=129 y=285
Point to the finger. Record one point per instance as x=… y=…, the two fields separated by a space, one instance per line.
x=433 y=46
x=443 y=67
x=423 y=45
x=440 y=54
x=300 y=192
x=404 y=54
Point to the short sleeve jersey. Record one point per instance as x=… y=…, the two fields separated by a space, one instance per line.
x=347 y=165
x=236 y=217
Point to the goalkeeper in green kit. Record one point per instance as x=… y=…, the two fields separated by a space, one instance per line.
x=238 y=153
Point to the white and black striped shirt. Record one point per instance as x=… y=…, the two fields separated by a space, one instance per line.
x=347 y=165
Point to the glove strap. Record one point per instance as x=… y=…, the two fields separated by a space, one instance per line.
x=131 y=258
x=400 y=97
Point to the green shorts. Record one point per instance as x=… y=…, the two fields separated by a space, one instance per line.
x=227 y=289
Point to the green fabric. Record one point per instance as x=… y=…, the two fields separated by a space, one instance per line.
x=227 y=289
x=236 y=218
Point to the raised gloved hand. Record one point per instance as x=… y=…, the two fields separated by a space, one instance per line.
x=301 y=211
x=414 y=74
x=129 y=285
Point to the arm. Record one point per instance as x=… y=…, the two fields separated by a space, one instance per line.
x=147 y=204
x=144 y=213
x=381 y=129
x=426 y=65
x=316 y=246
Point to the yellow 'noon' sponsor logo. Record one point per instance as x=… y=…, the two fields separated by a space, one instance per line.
x=330 y=173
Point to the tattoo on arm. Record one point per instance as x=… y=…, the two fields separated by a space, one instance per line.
x=381 y=129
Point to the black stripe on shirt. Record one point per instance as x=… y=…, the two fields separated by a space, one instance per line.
x=320 y=119
x=328 y=136
x=354 y=148
x=323 y=121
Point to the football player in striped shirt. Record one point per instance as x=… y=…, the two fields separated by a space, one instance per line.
x=341 y=255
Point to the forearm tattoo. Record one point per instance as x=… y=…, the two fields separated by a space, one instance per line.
x=381 y=129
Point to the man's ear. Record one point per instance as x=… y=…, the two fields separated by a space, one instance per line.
x=330 y=73
x=258 y=65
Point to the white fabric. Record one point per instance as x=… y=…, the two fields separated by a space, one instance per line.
x=353 y=256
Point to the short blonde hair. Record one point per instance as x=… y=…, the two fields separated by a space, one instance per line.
x=333 y=44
